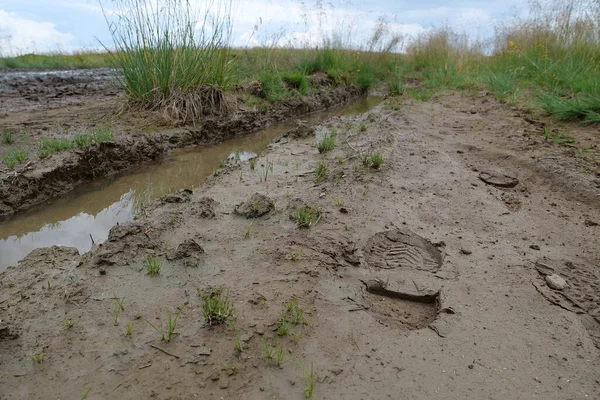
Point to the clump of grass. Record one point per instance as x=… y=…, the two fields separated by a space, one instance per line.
x=338 y=201
x=14 y=157
x=297 y=313
x=362 y=127
x=83 y=140
x=217 y=308
x=7 y=137
x=306 y=217
x=168 y=334
x=273 y=354
x=129 y=329
x=296 y=80
x=283 y=326
x=67 y=324
x=253 y=163
x=153 y=265
x=237 y=343
x=118 y=306
x=321 y=171
x=326 y=144
x=157 y=43
x=37 y=356
x=51 y=146
x=376 y=160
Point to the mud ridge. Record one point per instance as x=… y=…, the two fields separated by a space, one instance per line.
x=44 y=180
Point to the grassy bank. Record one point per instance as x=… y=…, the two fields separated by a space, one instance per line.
x=548 y=61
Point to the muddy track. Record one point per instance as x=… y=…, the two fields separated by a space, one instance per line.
x=40 y=181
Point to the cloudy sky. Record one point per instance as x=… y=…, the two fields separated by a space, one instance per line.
x=28 y=26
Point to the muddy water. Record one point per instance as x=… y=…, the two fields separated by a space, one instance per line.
x=90 y=211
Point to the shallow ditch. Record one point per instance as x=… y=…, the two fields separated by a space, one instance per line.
x=88 y=212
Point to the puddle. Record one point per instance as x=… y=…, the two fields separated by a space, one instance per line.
x=91 y=210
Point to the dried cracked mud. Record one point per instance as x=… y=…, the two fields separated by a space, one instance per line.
x=418 y=280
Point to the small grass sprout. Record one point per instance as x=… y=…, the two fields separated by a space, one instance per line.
x=273 y=354
x=376 y=160
x=14 y=157
x=129 y=329
x=321 y=171
x=37 y=356
x=153 y=265
x=283 y=325
x=7 y=137
x=171 y=325
x=67 y=324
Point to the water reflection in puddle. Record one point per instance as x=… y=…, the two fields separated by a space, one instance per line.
x=90 y=211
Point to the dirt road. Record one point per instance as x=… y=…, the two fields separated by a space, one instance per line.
x=426 y=278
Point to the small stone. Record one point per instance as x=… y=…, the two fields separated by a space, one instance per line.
x=465 y=251
x=204 y=351
x=471 y=366
x=534 y=247
x=224 y=384
x=556 y=282
x=215 y=375
x=337 y=371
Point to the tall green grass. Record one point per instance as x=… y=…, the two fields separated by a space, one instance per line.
x=174 y=56
x=550 y=58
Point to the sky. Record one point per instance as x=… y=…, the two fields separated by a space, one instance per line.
x=43 y=26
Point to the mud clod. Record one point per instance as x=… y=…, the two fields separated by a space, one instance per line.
x=189 y=248
x=257 y=206
x=124 y=243
x=204 y=208
x=183 y=196
x=499 y=179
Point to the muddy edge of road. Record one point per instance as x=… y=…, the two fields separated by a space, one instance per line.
x=38 y=181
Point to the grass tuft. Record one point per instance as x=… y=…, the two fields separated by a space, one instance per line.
x=326 y=144
x=153 y=265
x=306 y=217
x=217 y=308
x=14 y=157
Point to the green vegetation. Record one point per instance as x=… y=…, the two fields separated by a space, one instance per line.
x=48 y=147
x=7 y=137
x=310 y=381
x=549 y=59
x=168 y=334
x=326 y=144
x=321 y=171
x=153 y=265
x=306 y=217
x=283 y=325
x=217 y=308
x=57 y=61
x=67 y=324
x=274 y=354
x=14 y=157
x=37 y=357
x=129 y=329
x=376 y=160
x=118 y=306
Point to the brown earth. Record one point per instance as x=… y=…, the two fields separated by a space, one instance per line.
x=417 y=280
x=62 y=109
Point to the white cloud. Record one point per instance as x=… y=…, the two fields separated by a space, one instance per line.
x=20 y=35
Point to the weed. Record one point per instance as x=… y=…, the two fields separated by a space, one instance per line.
x=326 y=144
x=274 y=354
x=376 y=160
x=171 y=325
x=296 y=80
x=129 y=329
x=310 y=381
x=237 y=342
x=248 y=231
x=253 y=163
x=14 y=157
x=37 y=357
x=340 y=160
x=267 y=168
x=118 y=306
x=321 y=171
x=297 y=313
x=362 y=127
x=85 y=395
x=50 y=146
x=217 y=308
x=101 y=135
x=153 y=265
x=283 y=326
x=67 y=324
x=338 y=201
x=221 y=163
x=172 y=220
x=295 y=256
x=306 y=217
x=7 y=137
x=296 y=337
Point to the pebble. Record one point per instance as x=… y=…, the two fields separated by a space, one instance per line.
x=556 y=282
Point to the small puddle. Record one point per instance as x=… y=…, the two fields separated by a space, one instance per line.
x=91 y=210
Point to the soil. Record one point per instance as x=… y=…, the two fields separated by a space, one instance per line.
x=70 y=102
x=415 y=280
